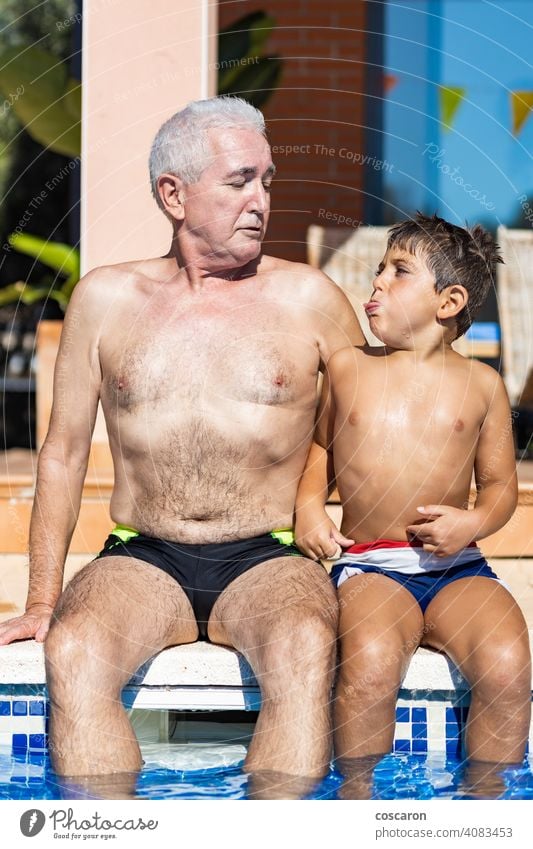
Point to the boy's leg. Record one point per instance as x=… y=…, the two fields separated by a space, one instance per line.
x=381 y=625
x=479 y=625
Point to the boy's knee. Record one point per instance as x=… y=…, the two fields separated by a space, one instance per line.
x=372 y=670
x=504 y=669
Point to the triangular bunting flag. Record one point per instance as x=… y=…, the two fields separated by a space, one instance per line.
x=389 y=82
x=521 y=106
x=450 y=100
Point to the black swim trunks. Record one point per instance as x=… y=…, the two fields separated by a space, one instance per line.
x=202 y=571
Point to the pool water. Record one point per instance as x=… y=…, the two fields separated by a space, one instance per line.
x=196 y=771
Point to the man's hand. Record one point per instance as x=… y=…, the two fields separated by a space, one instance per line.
x=33 y=624
x=445 y=530
x=319 y=538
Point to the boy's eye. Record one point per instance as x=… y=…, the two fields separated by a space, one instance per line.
x=400 y=270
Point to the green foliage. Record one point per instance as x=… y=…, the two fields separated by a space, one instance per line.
x=48 y=102
x=243 y=70
x=63 y=259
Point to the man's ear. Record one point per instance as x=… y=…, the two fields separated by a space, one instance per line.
x=453 y=299
x=171 y=190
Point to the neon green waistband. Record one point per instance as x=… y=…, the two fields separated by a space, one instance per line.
x=124 y=533
x=284 y=535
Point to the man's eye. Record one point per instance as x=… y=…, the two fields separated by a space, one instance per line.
x=238 y=185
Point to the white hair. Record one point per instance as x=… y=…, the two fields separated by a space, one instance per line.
x=181 y=145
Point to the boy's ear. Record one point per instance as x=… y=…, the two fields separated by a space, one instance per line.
x=171 y=190
x=453 y=300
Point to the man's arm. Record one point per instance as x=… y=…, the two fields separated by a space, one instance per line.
x=338 y=324
x=62 y=463
x=448 y=528
x=316 y=535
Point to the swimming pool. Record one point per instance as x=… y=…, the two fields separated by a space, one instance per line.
x=193 y=710
x=396 y=776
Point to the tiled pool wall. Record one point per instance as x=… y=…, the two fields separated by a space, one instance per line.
x=424 y=725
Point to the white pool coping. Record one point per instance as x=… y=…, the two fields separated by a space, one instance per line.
x=207 y=665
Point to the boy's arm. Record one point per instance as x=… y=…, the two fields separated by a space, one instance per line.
x=449 y=529
x=62 y=465
x=495 y=466
x=316 y=535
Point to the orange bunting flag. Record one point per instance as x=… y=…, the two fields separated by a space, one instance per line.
x=450 y=100
x=389 y=82
x=521 y=106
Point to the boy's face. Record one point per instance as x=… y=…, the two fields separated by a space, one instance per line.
x=404 y=302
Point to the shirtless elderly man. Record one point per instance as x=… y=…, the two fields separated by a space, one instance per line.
x=205 y=362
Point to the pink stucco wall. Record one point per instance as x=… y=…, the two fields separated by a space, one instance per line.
x=142 y=61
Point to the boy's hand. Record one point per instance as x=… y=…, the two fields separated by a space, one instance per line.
x=445 y=531
x=320 y=539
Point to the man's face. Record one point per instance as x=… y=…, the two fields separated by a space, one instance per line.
x=404 y=300
x=227 y=210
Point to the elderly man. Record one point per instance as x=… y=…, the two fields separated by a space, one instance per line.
x=205 y=362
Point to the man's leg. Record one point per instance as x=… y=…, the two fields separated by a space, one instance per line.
x=381 y=625
x=480 y=626
x=114 y=615
x=282 y=616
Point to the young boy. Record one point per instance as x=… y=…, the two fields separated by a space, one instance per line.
x=401 y=428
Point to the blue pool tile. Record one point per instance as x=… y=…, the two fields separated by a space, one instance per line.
x=451 y=714
x=20 y=742
x=420 y=745
x=419 y=730
x=419 y=715
x=5 y=708
x=20 y=708
x=452 y=732
x=37 y=741
x=402 y=714
x=402 y=745
x=36 y=708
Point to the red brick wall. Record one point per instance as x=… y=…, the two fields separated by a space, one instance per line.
x=318 y=107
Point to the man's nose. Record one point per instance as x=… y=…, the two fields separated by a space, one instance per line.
x=260 y=200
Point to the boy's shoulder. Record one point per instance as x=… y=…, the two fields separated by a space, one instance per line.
x=484 y=379
x=345 y=357
x=483 y=374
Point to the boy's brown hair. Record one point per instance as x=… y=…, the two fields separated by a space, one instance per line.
x=454 y=255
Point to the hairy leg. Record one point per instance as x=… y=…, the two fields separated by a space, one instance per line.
x=480 y=626
x=282 y=615
x=381 y=625
x=113 y=616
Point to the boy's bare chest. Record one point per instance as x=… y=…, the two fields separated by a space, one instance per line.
x=407 y=406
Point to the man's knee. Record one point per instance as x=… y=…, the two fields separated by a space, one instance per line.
x=301 y=651
x=78 y=655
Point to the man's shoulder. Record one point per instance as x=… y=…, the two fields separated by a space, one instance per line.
x=114 y=281
x=122 y=271
x=288 y=273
